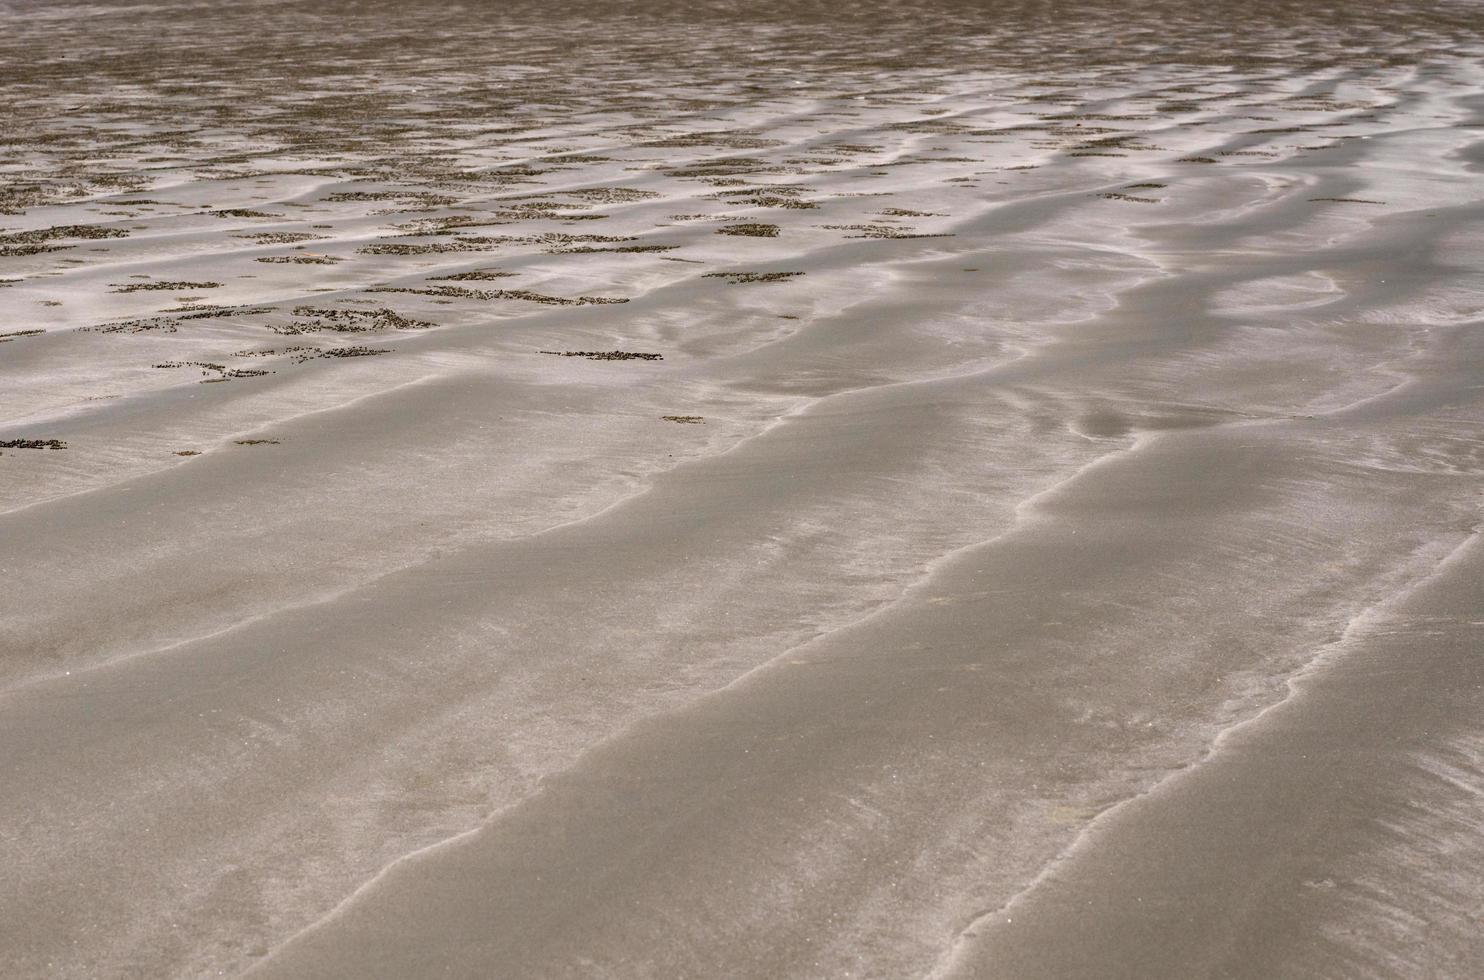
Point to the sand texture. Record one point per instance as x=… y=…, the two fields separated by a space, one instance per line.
x=758 y=490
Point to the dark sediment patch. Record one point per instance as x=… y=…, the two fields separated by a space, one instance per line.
x=429 y=248
x=476 y=275
x=281 y=237
x=136 y=287
x=313 y=319
x=298 y=259
x=619 y=249
x=738 y=278
x=343 y=352
x=242 y=213
x=607 y=355
x=520 y=294
x=883 y=231
x=60 y=232
x=751 y=229
x=156 y=324
x=214 y=371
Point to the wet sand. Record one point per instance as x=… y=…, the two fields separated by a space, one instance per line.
x=1008 y=507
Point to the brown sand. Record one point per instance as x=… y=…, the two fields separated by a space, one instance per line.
x=1068 y=565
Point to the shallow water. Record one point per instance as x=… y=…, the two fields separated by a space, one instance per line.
x=1079 y=425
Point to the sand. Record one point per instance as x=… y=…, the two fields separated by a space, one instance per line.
x=646 y=491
